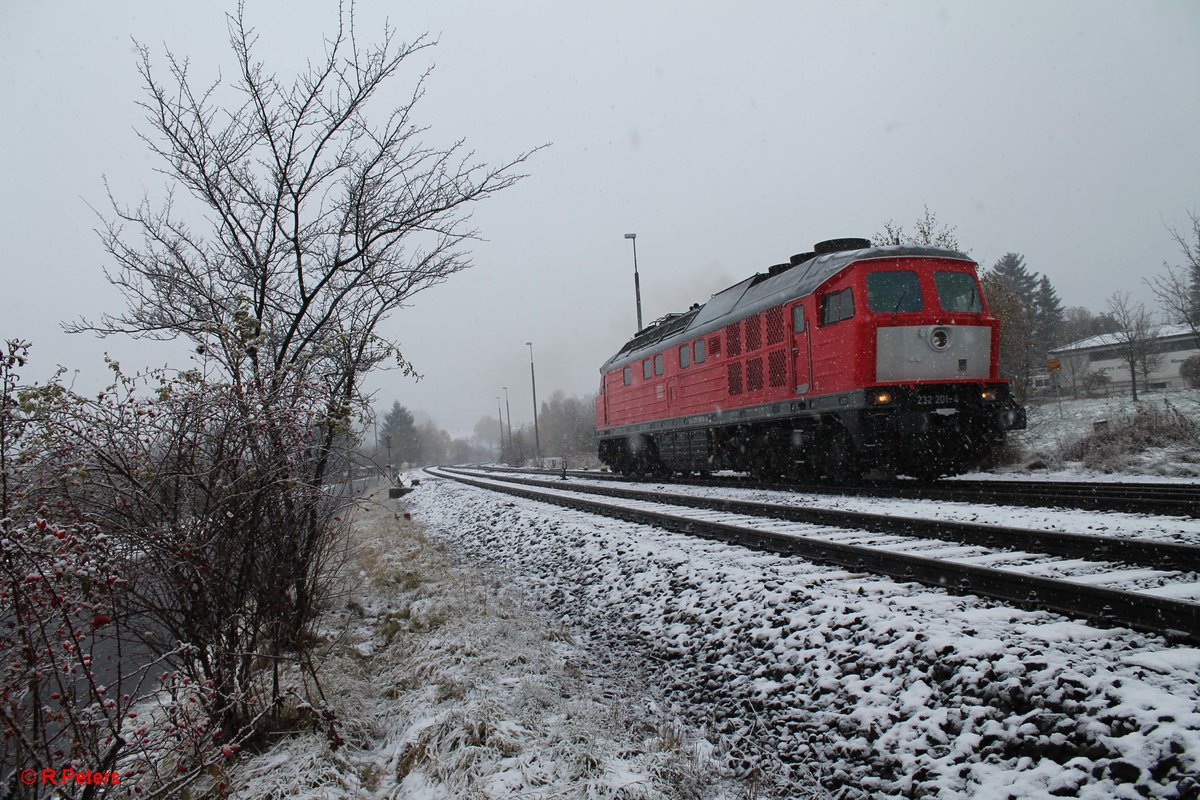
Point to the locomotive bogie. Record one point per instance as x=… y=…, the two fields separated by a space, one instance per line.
x=879 y=359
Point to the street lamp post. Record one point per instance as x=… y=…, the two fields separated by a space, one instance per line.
x=508 y=408
x=637 y=285
x=500 y=419
x=537 y=441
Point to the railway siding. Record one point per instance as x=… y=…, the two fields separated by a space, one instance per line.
x=1177 y=618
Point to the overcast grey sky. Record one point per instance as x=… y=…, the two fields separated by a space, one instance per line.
x=727 y=135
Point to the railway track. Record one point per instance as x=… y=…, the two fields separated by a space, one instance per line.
x=1147 y=585
x=1139 y=498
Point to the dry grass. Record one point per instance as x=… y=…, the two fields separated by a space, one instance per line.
x=1121 y=443
x=446 y=686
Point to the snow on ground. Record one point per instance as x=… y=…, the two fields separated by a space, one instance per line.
x=1054 y=424
x=883 y=689
x=447 y=683
x=497 y=648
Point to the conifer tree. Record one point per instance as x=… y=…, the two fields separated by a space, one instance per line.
x=1011 y=273
x=1048 y=315
x=402 y=427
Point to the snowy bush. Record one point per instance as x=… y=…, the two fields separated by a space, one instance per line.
x=169 y=527
x=63 y=701
x=1189 y=370
x=1112 y=446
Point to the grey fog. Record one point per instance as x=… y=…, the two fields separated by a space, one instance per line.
x=727 y=136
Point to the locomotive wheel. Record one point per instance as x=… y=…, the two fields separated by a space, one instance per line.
x=841 y=463
x=928 y=472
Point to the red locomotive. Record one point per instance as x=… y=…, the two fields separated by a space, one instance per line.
x=846 y=359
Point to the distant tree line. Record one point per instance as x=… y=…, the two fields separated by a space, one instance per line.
x=565 y=428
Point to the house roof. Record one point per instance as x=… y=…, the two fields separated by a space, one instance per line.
x=1182 y=332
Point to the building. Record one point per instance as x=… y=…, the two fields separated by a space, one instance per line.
x=1170 y=347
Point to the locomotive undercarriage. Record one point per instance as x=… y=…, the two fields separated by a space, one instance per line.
x=922 y=432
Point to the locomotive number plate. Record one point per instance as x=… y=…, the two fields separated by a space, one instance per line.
x=935 y=400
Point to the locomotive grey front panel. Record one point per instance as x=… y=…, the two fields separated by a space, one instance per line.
x=933 y=352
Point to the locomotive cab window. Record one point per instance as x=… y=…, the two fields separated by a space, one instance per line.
x=837 y=306
x=685 y=356
x=957 y=292
x=894 y=292
x=698 y=351
x=647 y=370
x=628 y=375
x=658 y=364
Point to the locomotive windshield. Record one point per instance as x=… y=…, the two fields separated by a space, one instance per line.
x=957 y=292
x=894 y=292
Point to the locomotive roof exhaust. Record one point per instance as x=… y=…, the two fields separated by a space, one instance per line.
x=837 y=245
x=820 y=249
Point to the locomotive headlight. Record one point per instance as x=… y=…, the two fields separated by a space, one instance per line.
x=880 y=398
x=988 y=395
x=939 y=338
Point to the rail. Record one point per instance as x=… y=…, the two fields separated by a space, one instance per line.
x=1177 y=619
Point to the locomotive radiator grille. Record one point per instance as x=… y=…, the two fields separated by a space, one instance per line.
x=754 y=375
x=753 y=332
x=777 y=367
x=776 y=330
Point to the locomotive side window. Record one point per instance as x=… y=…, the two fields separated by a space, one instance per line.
x=658 y=364
x=798 y=319
x=894 y=292
x=685 y=356
x=647 y=370
x=837 y=306
x=698 y=354
x=957 y=292
x=628 y=375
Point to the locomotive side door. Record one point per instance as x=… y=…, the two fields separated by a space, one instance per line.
x=801 y=352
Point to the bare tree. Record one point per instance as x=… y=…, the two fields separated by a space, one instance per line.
x=926 y=231
x=323 y=223
x=325 y=218
x=1075 y=366
x=1178 y=287
x=1135 y=334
